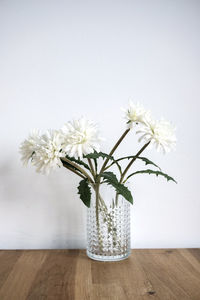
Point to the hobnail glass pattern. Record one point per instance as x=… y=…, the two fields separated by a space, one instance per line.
x=108 y=231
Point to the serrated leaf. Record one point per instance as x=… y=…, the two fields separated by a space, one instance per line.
x=78 y=161
x=146 y=160
x=96 y=155
x=111 y=179
x=149 y=162
x=85 y=192
x=157 y=173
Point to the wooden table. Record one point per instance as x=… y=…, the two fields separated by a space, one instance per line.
x=69 y=274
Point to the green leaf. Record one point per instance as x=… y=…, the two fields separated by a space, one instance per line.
x=85 y=192
x=153 y=172
x=149 y=162
x=65 y=163
x=96 y=155
x=78 y=161
x=111 y=179
x=103 y=155
x=146 y=160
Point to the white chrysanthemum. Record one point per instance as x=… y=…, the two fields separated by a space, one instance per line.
x=48 y=152
x=135 y=114
x=29 y=145
x=160 y=133
x=80 y=138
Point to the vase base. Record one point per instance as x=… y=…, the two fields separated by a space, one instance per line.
x=108 y=257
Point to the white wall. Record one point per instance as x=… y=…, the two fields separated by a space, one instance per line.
x=64 y=59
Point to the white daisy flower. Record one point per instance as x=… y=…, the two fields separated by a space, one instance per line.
x=160 y=133
x=81 y=137
x=29 y=145
x=135 y=114
x=48 y=152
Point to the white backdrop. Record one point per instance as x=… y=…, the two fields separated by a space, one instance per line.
x=65 y=59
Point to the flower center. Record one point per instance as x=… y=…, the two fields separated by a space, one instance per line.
x=79 y=138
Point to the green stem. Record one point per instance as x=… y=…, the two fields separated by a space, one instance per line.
x=97 y=217
x=91 y=168
x=132 y=161
x=113 y=150
x=116 y=199
x=74 y=171
x=77 y=167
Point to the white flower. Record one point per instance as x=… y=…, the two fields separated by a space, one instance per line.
x=160 y=133
x=135 y=114
x=80 y=138
x=29 y=145
x=48 y=152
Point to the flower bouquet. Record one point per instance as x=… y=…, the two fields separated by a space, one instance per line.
x=76 y=147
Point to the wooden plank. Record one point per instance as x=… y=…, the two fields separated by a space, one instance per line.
x=121 y=280
x=194 y=252
x=160 y=274
x=171 y=275
x=83 y=278
x=19 y=280
x=56 y=279
x=7 y=261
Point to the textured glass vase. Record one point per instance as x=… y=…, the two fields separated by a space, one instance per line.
x=108 y=226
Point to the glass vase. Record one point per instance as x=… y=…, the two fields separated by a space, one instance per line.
x=108 y=226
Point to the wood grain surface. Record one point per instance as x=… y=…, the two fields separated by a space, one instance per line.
x=69 y=274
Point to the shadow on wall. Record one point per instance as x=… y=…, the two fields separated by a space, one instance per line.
x=38 y=211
